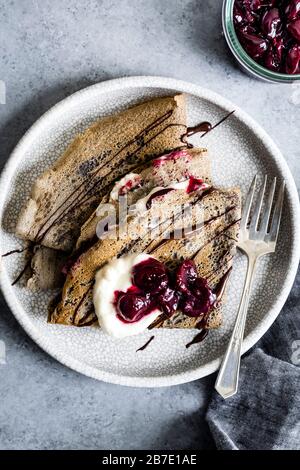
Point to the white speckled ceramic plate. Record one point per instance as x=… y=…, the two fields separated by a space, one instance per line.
x=239 y=149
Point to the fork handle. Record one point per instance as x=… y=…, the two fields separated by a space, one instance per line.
x=227 y=380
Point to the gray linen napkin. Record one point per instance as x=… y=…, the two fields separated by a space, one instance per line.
x=265 y=413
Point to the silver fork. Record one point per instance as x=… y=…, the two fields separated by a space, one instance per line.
x=255 y=240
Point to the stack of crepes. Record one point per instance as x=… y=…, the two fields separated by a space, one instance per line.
x=138 y=152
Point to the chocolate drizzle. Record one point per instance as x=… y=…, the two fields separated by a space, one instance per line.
x=21 y=274
x=198 y=338
x=171 y=235
x=29 y=251
x=80 y=303
x=27 y=265
x=202 y=127
x=146 y=344
x=205 y=127
x=128 y=247
x=85 y=321
x=82 y=195
x=196 y=229
x=201 y=325
x=221 y=286
x=217 y=234
x=79 y=195
x=218 y=123
x=19 y=250
x=219 y=291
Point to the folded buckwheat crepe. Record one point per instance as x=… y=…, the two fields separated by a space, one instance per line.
x=65 y=196
x=173 y=211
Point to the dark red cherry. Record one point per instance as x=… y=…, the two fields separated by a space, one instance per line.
x=243 y=12
x=199 y=286
x=273 y=56
x=292 y=10
x=238 y=15
x=249 y=17
x=271 y=61
x=254 y=45
x=194 y=184
x=202 y=291
x=197 y=305
x=150 y=276
x=246 y=29
x=294 y=29
x=271 y=22
x=132 y=307
x=185 y=276
x=278 y=45
x=192 y=306
x=255 y=5
x=292 y=62
x=284 y=41
x=168 y=301
x=197 y=298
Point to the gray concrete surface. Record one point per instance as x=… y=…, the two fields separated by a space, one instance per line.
x=49 y=49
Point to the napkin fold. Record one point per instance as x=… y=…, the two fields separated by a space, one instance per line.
x=265 y=413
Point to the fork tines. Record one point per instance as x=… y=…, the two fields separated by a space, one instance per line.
x=258 y=225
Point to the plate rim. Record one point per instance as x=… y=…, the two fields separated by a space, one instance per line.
x=146 y=81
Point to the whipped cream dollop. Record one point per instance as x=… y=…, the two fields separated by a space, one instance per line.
x=125 y=184
x=113 y=278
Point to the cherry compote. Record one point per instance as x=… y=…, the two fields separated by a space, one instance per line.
x=154 y=287
x=269 y=31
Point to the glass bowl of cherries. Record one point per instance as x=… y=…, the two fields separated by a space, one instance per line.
x=264 y=37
